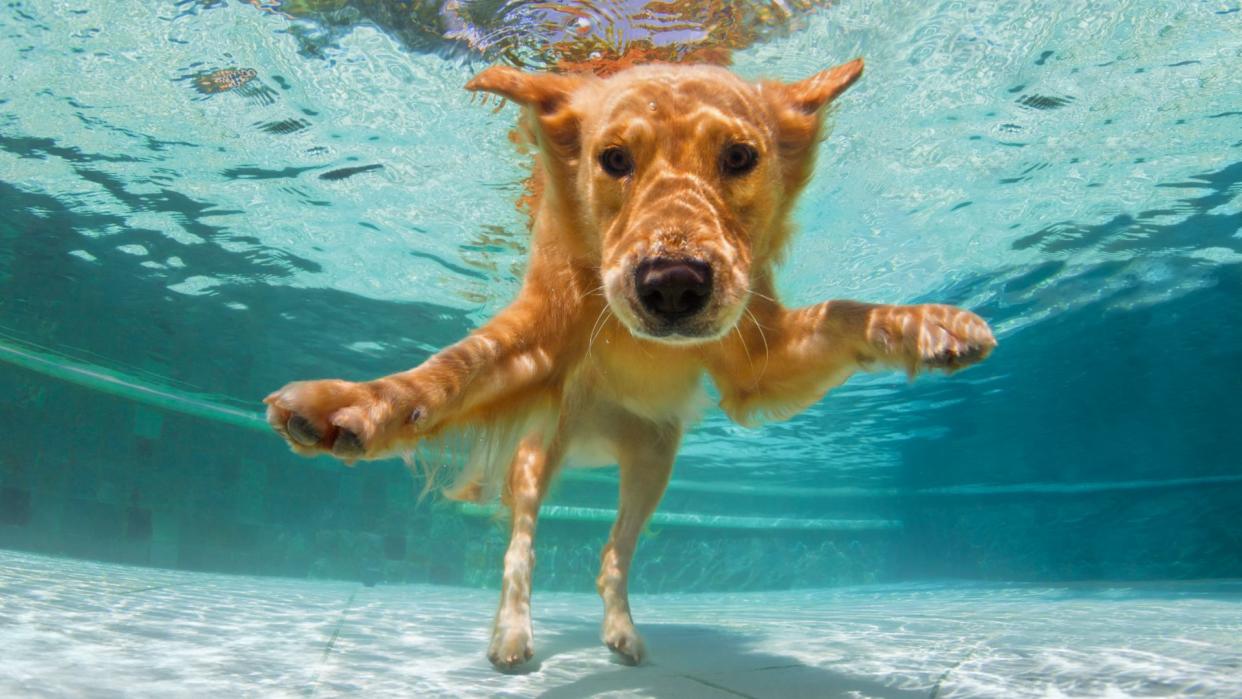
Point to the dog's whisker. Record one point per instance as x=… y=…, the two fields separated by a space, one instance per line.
x=741 y=338
x=763 y=336
x=762 y=296
x=597 y=332
x=596 y=327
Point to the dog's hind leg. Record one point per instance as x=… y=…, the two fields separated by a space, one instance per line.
x=529 y=476
x=646 y=460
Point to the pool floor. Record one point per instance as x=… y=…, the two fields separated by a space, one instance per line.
x=75 y=628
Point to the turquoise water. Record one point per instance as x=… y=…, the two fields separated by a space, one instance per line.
x=171 y=251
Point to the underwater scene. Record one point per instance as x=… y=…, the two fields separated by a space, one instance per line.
x=203 y=200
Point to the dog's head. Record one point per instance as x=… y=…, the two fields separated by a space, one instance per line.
x=676 y=180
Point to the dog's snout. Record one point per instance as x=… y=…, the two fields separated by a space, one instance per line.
x=673 y=289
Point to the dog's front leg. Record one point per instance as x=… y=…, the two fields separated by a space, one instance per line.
x=783 y=360
x=372 y=419
x=529 y=475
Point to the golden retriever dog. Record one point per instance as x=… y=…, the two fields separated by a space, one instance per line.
x=663 y=206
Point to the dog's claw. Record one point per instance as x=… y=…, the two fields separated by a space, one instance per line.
x=302 y=431
x=510 y=649
x=511 y=661
x=958 y=340
x=624 y=641
x=931 y=336
x=623 y=654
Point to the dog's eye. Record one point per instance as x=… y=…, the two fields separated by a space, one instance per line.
x=738 y=159
x=616 y=161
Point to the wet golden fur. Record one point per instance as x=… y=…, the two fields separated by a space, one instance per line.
x=580 y=364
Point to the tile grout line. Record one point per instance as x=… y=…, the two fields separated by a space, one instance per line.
x=153 y=587
x=935 y=690
x=713 y=685
x=327 y=649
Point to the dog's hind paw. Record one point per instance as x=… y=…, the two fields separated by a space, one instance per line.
x=623 y=640
x=510 y=648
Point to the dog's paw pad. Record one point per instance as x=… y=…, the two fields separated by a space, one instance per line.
x=344 y=419
x=348 y=445
x=300 y=430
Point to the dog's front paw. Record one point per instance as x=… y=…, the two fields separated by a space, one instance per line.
x=510 y=647
x=348 y=420
x=932 y=336
x=622 y=638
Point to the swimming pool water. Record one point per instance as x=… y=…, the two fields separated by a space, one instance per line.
x=200 y=201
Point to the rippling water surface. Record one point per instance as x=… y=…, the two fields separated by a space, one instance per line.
x=203 y=200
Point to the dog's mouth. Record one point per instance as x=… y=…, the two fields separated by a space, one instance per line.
x=674 y=300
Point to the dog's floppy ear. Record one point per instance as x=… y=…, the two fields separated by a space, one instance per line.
x=546 y=95
x=798 y=107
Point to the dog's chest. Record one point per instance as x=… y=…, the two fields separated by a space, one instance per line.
x=651 y=381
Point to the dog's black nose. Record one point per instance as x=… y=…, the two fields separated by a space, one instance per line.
x=673 y=289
